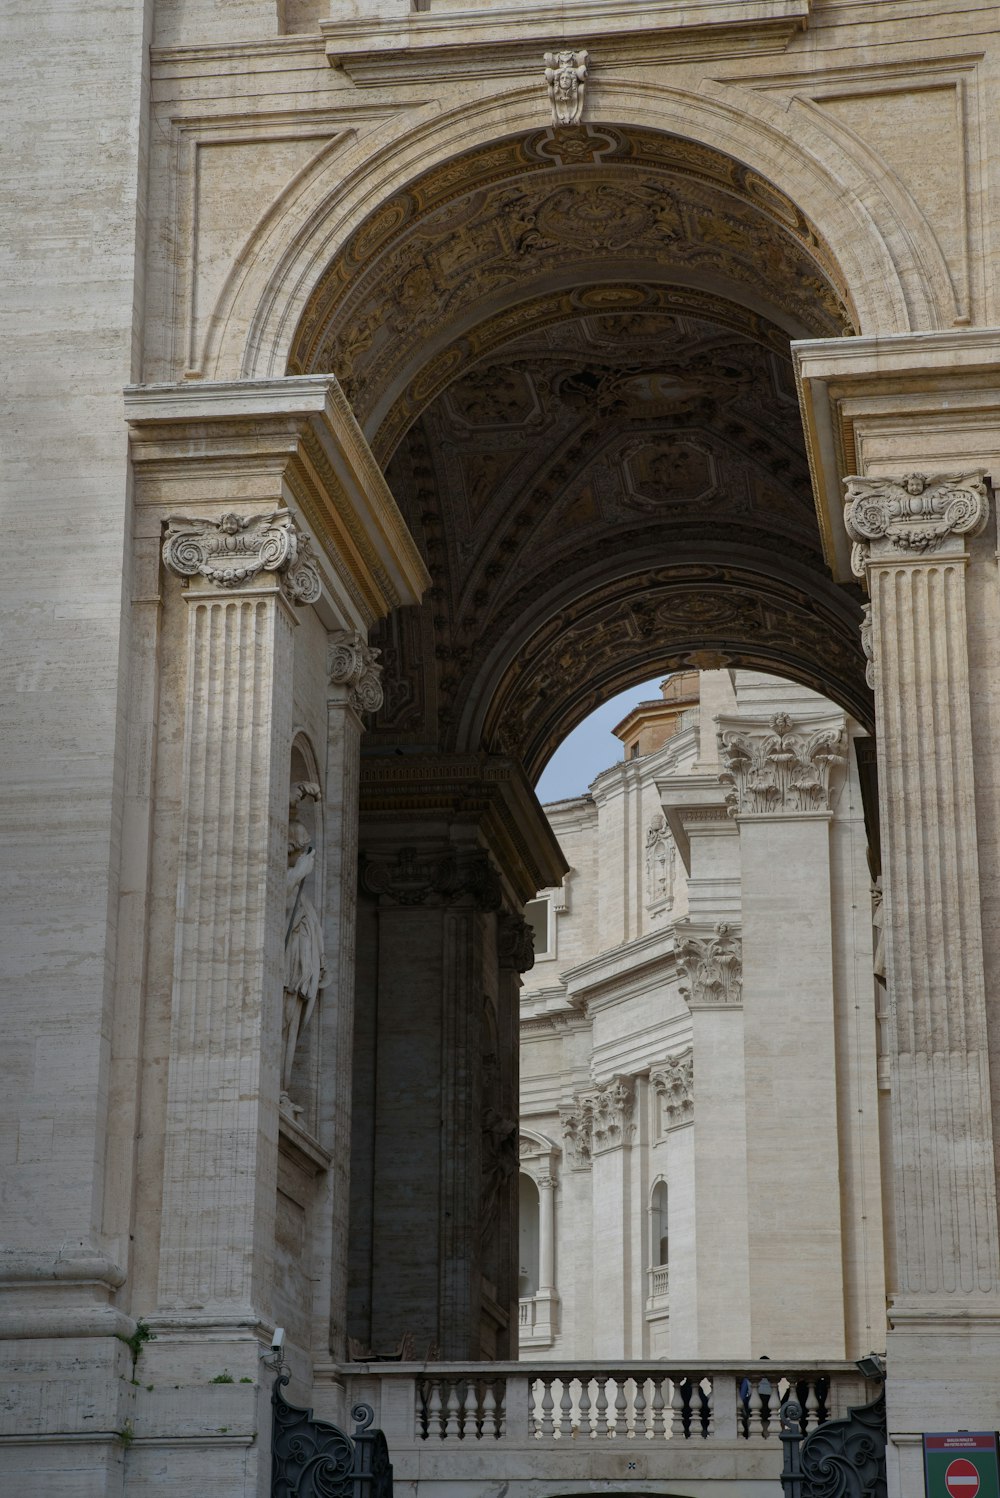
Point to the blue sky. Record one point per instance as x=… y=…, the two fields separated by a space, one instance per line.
x=591 y=747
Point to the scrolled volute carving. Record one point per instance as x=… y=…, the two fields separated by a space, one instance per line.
x=712 y=967
x=915 y=513
x=352 y=665
x=673 y=1083
x=601 y=1119
x=780 y=766
x=515 y=943
x=233 y=550
x=443 y=878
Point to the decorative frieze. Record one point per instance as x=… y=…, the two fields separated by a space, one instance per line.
x=443 y=878
x=602 y=1118
x=673 y=1083
x=712 y=966
x=778 y=766
x=566 y=77
x=915 y=513
x=352 y=665
x=233 y=550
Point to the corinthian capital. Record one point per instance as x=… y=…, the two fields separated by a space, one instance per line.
x=712 y=965
x=232 y=550
x=914 y=513
x=779 y=766
x=352 y=664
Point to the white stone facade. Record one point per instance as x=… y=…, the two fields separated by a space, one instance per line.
x=327 y=352
x=705 y=997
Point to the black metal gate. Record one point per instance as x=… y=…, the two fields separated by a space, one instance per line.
x=311 y=1458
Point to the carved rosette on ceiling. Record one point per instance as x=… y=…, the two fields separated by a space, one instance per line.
x=601 y=1119
x=712 y=967
x=232 y=551
x=673 y=1083
x=914 y=514
x=436 y=879
x=515 y=943
x=352 y=666
x=777 y=766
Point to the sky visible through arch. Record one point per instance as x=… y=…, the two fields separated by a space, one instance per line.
x=591 y=747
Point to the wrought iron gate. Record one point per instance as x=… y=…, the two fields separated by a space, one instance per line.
x=311 y=1458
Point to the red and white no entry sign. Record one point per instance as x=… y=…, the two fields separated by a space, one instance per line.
x=961 y=1479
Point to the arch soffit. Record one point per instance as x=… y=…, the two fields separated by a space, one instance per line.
x=822 y=171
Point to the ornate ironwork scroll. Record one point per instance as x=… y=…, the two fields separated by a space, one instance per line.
x=842 y=1458
x=313 y=1459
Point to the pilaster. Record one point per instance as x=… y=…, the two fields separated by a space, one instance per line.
x=779 y=776
x=911 y=426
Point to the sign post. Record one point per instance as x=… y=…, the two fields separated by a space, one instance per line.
x=962 y=1464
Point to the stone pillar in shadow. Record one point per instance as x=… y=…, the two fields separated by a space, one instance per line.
x=450 y=850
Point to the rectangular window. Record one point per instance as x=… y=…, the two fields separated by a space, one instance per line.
x=539 y=916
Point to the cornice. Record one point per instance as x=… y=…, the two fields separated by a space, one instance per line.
x=636 y=961
x=469 y=41
x=487 y=791
x=301 y=432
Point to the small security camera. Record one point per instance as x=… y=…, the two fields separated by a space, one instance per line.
x=278 y=1339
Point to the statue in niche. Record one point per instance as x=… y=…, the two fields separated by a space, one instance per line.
x=305 y=966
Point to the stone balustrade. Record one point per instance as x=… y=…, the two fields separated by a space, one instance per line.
x=662 y=1421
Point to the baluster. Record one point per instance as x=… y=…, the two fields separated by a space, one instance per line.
x=601 y=1428
x=639 y=1430
x=470 y=1411
x=755 y=1409
x=585 y=1426
x=679 y=1416
x=490 y=1425
x=811 y=1406
x=566 y=1409
x=453 y=1427
x=706 y=1411
x=659 y=1431
x=621 y=1408
x=547 y=1407
x=435 y=1423
x=420 y=1411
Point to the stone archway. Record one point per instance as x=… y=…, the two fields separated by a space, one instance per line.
x=571 y=352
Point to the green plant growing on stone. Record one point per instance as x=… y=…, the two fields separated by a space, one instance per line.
x=126 y=1434
x=137 y=1342
x=225 y=1377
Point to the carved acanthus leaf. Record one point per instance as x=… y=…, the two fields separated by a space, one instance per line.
x=232 y=550
x=712 y=966
x=601 y=1119
x=352 y=665
x=778 y=766
x=444 y=878
x=868 y=645
x=914 y=513
x=673 y=1081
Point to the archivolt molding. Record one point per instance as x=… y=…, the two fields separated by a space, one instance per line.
x=254 y=328
x=686 y=617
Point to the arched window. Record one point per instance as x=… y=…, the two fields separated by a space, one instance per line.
x=528 y=1207
x=659 y=1246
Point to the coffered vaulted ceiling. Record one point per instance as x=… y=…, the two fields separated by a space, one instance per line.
x=572 y=354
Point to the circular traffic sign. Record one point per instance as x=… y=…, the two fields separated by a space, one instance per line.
x=961 y=1479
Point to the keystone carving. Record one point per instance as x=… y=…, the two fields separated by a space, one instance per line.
x=566 y=76
x=778 y=767
x=352 y=664
x=445 y=878
x=601 y=1119
x=912 y=514
x=515 y=943
x=713 y=968
x=231 y=551
x=673 y=1081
